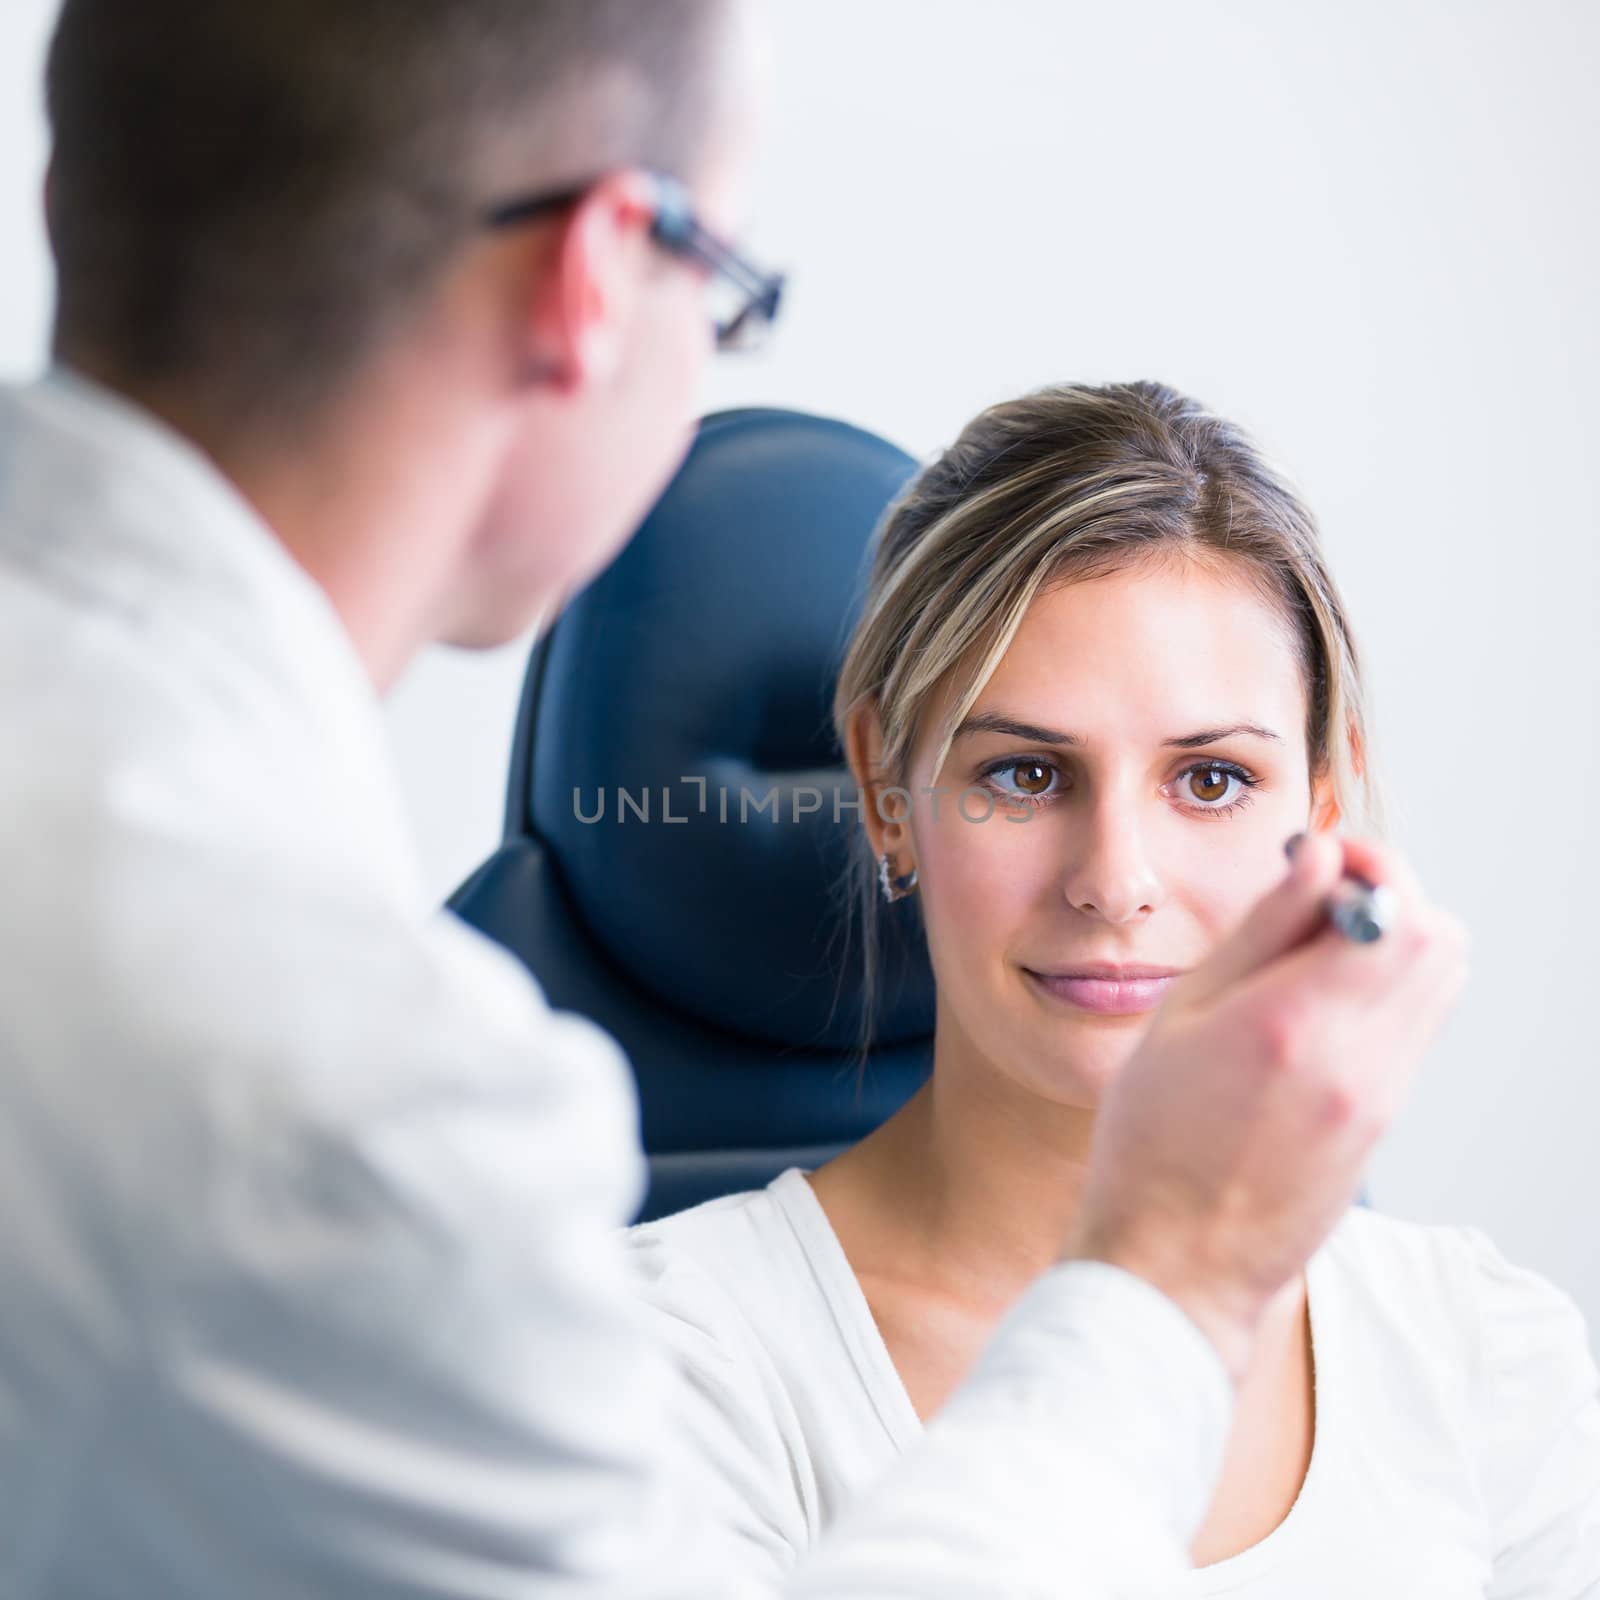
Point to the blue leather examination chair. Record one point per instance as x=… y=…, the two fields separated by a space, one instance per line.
x=694 y=677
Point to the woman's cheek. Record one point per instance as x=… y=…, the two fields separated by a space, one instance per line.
x=979 y=878
x=1222 y=889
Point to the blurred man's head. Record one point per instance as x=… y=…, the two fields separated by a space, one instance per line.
x=269 y=226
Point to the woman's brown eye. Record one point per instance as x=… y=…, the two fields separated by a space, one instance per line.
x=1032 y=777
x=1198 y=787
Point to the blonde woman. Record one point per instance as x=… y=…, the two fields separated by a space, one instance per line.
x=1101 y=676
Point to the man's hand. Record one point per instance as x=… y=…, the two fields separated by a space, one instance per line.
x=1236 y=1137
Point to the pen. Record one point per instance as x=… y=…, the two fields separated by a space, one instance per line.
x=1360 y=910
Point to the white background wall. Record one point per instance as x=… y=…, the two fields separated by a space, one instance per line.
x=1367 y=230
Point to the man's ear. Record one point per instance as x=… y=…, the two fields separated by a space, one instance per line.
x=864 y=752
x=587 y=283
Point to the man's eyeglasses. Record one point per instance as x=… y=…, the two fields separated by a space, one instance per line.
x=748 y=297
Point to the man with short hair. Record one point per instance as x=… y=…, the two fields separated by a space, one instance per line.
x=380 y=323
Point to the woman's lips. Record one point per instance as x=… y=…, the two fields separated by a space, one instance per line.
x=1113 y=997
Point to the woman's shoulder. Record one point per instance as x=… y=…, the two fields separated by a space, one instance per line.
x=1455 y=1265
x=720 y=1290
x=745 y=1290
x=713 y=1230
x=741 y=1270
x=1451 y=1294
x=738 y=1242
x=1407 y=1262
x=1511 y=1355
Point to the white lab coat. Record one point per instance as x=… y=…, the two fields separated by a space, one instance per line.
x=308 y=1283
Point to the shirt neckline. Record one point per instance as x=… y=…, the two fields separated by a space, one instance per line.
x=869 y=1354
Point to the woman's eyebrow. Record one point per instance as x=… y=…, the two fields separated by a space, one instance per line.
x=1190 y=741
x=1032 y=733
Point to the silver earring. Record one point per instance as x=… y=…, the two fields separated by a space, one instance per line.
x=894 y=888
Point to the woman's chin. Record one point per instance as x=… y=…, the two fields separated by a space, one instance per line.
x=1068 y=1073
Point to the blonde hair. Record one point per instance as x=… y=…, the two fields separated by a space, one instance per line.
x=1066 y=484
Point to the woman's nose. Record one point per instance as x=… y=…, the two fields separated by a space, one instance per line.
x=1110 y=873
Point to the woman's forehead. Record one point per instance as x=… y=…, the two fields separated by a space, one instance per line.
x=1134 y=654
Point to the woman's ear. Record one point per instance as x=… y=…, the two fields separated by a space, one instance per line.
x=1326 y=811
x=864 y=752
x=1358 y=750
x=1325 y=808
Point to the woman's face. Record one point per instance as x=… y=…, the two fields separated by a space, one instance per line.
x=1136 y=816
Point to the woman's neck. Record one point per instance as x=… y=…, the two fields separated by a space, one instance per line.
x=971 y=1188
x=956 y=1204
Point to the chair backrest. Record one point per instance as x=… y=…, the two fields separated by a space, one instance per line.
x=679 y=815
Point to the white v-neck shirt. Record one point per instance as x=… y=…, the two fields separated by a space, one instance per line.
x=1456 y=1449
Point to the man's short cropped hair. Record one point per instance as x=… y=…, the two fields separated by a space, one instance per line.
x=247 y=197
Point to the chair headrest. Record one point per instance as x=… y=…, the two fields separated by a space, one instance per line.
x=675 y=752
